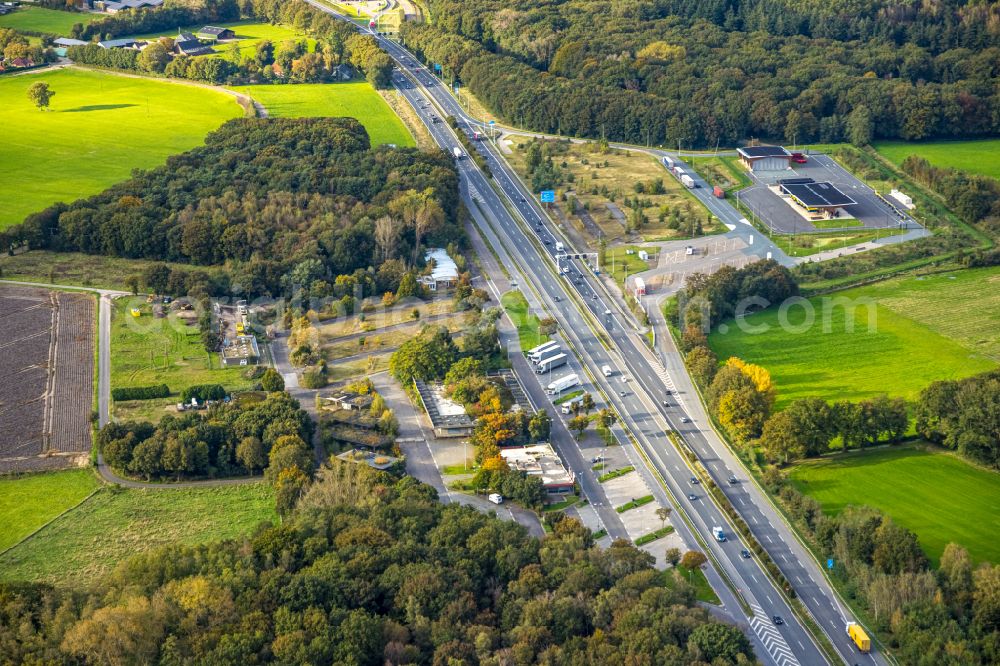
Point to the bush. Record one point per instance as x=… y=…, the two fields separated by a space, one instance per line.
x=203 y=392
x=140 y=392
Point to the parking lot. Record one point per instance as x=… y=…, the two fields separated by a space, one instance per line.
x=778 y=215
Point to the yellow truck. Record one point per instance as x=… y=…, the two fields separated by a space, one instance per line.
x=859 y=637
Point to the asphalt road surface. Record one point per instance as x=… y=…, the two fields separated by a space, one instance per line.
x=640 y=402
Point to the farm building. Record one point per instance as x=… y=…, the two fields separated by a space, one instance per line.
x=764 y=158
x=68 y=41
x=540 y=460
x=814 y=197
x=189 y=45
x=241 y=350
x=115 y=6
x=444 y=275
x=448 y=418
x=123 y=43
x=211 y=33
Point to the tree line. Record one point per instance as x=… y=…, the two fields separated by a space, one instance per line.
x=963 y=415
x=370 y=570
x=976 y=199
x=946 y=616
x=226 y=440
x=284 y=203
x=641 y=77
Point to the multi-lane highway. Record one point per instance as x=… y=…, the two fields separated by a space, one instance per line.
x=581 y=306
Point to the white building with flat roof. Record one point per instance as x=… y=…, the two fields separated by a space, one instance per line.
x=444 y=273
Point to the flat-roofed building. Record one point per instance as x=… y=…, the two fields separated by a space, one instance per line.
x=764 y=158
x=541 y=460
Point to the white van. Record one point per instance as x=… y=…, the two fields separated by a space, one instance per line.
x=559 y=246
x=606 y=369
x=496 y=498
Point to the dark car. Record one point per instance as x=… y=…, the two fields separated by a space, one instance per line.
x=694 y=480
x=777 y=619
x=733 y=480
x=669 y=392
x=692 y=496
x=745 y=553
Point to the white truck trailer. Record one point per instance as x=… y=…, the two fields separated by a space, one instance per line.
x=551 y=363
x=688 y=181
x=561 y=384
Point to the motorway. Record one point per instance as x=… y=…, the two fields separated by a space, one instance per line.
x=642 y=403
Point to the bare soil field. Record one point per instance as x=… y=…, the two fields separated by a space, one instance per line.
x=46 y=378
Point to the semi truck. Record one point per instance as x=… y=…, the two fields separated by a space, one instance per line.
x=561 y=384
x=457 y=152
x=719 y=192
x=668 y=162
x=551 y=363
x=859 y=637
x=718 y=533
x=542 y=350
x=688 y=181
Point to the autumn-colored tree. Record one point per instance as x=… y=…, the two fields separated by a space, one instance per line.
x=578 y=424
x=693 y=559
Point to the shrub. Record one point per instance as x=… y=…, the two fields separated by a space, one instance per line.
x=140 y=392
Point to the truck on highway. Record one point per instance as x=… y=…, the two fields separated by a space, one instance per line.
x=559 y=246
x=859 y=637
x=606 y=369
x=688 y=181
x=567 y=407
x=719 y=192
x=551 y=363
x=561 y=384
x=668 y=162
x=457 y=152
x=718 y=533
x=541 y=351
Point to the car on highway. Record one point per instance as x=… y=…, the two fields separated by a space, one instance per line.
x=556 y=299
x=622 y=393
x=745 y=554
x=547 y=241
x=799 y=158
x=669 y=392
x=685 y=419
x=733 y=480
x=666 y=403
x=777 y=619
x=692 y=496
x=694 y=480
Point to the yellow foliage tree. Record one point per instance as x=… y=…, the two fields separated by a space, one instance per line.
x=661 y=52
x=760 y=376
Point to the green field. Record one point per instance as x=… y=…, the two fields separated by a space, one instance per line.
x=100 y=127
x=148 y=351
x=527 y=324
x=927 y=328
x=38 y=19
x=937 y=495
x=356 y=99
x=28 y=502
x=248 y=35
x=86 y=543
x=978 y=156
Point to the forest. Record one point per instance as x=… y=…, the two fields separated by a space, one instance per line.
x=367 y=571
x=283 y=202
x=692 y=74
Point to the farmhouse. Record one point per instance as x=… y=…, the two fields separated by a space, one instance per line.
x=448 y=418
x=764 y=158
x=541 y=461
x=814 y=197
x=211 y=33
x=115 y=6
x=444 y=274
x=241 y=350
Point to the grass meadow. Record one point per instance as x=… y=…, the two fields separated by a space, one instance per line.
x=926 y=328
x=28 y=502
x=39 y=19
x=99 y=127
x=980 y=156
x=89 y=541
x=356 y=99
x=248 y=35
x=934 y=493
x=148 y=351
x=527 y=324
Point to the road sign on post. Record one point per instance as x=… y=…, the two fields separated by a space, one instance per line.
x=437 y=67
x=829 y=563
x=548 y=196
